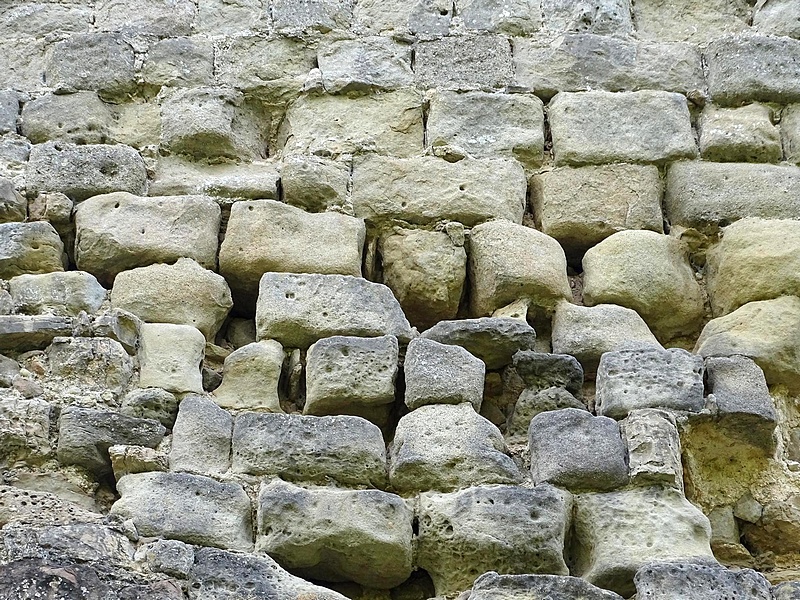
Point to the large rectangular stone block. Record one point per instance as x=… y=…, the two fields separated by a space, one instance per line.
x=464 y=63
x=365 y=65
x=30 y=248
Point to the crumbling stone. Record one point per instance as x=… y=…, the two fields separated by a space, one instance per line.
x=541 y=370
x=97 y=362
x=605 y=18
x=21 y=333
x=315 y=184
x=654 y=448
x=13 y=206
x=151 y=403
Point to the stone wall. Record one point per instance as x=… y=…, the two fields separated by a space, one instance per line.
x=325 y=299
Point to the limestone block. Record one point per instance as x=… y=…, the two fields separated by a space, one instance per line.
x=684 y=20
x=120 y=231
x=343 y=449
x=494 y=340
x=790 y=133
x=326 y=125
x=586 y=332
x=756 y=260
x=648 y=127
x=24 y=434
x=21 y=333
x=119 y=325
x=351 y=376
x=604 y=18
x=29 y=248
x=480 y=62
x=446 y=447
x=633 y=379
x=250 y=377
x=576 y=62
x=491 y=586
x=220 y=17
x=297 y=310
x=97 y=362
x=79 y=118
x=706 y=196
x=170 y=357
x=580 y=207
x=179 y=62
x=364 y=65
x=532 y=402
x=13 y=205
x=315 y=184
x=167 y=556
x=501 y=528
x=310 y=15
x=424 y=19
x=84 y=171
x=541 y=370
x=176 y=176
x=23 y=62
x=778 y=17
x=485 y=125
x=749 y=68
x=649 y=273
x=426 y=271
x=102 y=62
x=58 y=293
x=127 y=460
x=518 y=17
x=201 y=437
x=619 y=532
x=55 y=208
x=9 y=369
x=690 y=581
x=743 y=134
x=654 y=448
x=9 y=111
x=84 y=436
x=510 y=262
x=151 y=403
x=329 y=534
x=160 y=18
x=189 y=508
x=426 y=189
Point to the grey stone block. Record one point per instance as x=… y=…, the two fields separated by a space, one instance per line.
x=464 y=63
x=20 y=333
x=654 y=448
x=688 y=581
x=79 y=118
x=95 y=363
x=9 y=111
x=201 y=437
x=608 y=17
x=541 y=370
x=156 y=18
x=29 y=248
x=778 y=17
x=519 y=17
x=365 y=65
x=13 y=205
x=179 y=62
x=9 y=369
x=59 y=293
x=743 y=134
x=101 y=62
x=311 y=15
x=167 y=556
x=175 y=175
x=530 y=403
x=119 y=325
x=788 y=590
x=491 y=586
x=151 y=403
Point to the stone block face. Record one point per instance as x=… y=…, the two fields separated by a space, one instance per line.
x=180 y=62
x=648 y=127
x=631 y=379
x=671 y=580
x=532 y=402
x=749 y=68
x=162 y=18
x=580 y=207
x=24 y=434
x=743 y=134
x=13 y=205
x=315 y=184
x=29 y=248
x=23 y=63
x=43 y=18
x=323 y=533
x=654 y=448
x=487 y=125
x=447 y=447
x=491 y=586
x=781 y=17
x=98 y=363
x=58 y=293
x=573 y=449
x=297 y=310
x=311 y=15
x=175 y=176
x=218 y=17
x=365 y=65
x=79 y=118
x=790 y=133
x=604 y=18
x=170 y=357
x=510 y=262
x=9 y=111
x=502 y=528
x=541 y=370
x=84 y=171
x=202 y=511
x=21 y=333
x=201 y=437
x=464 y=63
x=151 y=403
x=685 y=21
x=423 y=19
x=250 y=377
x=101 y=62
x=342 y=449
x=120 y=231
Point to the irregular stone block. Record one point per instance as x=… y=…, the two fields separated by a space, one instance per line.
x=689 y=581
x=162 y=18
x=619 y=532
x=118 y=325
x=790 y=133
x=446 y=447
x=170 y=357
x=491 y=586
x=343 y=449
x=56 y=209
x=464 y=63
x=315 y=184
x=179 y=62
x=632 y=379
x=79 y=118
x=18 y=505
x=13 y=205
x=426 y=271
x=9 y=369
x=20 y=333
x=84 y=436
x=326 y=125
x=127 y=460
x=604 y=18
x=201 y=437
x=151 y=403
x=586 y=332
x=24 y=436
x=577 y=62
x=743 y=134
x=532 y=402
x=33 y=248
x=501 y=528
x=137 y=124
x=250 y=377
x=23 y=62
x=175 y=176
x=219 y=17
x=364 y=65
x=297 y=310
x=9 y=111
x=510 y=262
x=167 y=556
x=309 y=15
x=649 y=273
x=541 y=370
x=749 y=68
x=120 y=231
x=787 y=590
x=519 y=17
x=654 y=448
x=42 y=18
x=581 y=207
x=59 y=293
x=201 y=511
x=684 y=20
x=486 y=125
x=322 y=533
x=93 y=362
x=779 y=17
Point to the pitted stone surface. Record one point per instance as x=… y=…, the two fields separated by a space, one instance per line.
x=201 y=437
x=250 y=377
x=29 y=248
x=492 y=586
x=687 y=581
x=57 y=293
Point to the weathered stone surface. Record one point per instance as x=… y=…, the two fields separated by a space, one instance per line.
x=120 y=231
x=446 y=447
x=119 y=325
x=464 y=63
x=23 y=62
x=79 y=118
x=58 y=293
x=21 y=333
x=577 y=62
x=93 y=362
x=541 y=370
x=689 y=581
x=632 y=379
x=486 y=125
x=170 y=357
x=84 y=436
x=33 y=248
x=365 y=65
x=706 y=196
x=532 y=402
x=359 y=535
x=201 y=437
x=219 y=17
x=743 y=134
x=777 y=17
x=605 y=18
x=748 y=68
x=510 y=262
x=202 y=511
x=9 y=369
x=619 y=532
x=41 y=508
x=55 y=208
x=428 y=189
x=586 y=332
x=167 y=556
x=127 y=460
x=298 y=310
x=344 y=449
x=790 y=133
x=684 y=20
x=519 y=17
x=160 y=18
x=787 y=590
x=501 y=528
x=13 y=206
x=491 y=586
x=649 y=273
x=323 y=16
x=326 y=125
x=179 y=62
x=582 y=206
x=654 y=448
x=175 y=176
x=315 y=184
x=648 y=127
x=9 y=111
x=24 y=435
x=250 y=377
x=151 y=403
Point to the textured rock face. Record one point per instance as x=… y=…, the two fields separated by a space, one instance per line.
x=58 y=293
x=29 y=248
x=250 y=377
x=170 y=357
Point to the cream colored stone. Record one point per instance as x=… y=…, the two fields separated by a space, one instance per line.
x=743 y=134
x=170 y=357
x=250 y=378
x=686 y=20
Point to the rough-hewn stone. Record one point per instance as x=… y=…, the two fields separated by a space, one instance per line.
x=170 y=357
x=743 y=134
x=654 y=448
x=79 y=118
x=201 y=437
x=21 y=333
x=29 y=248
x=491 y=586
x=250 y=377
x=315 y=184
x=688 y=581
x=59 y=293
x=96 y=363
x=532 y=402
x=778 y=17
x=13 y=206
x=684 y=20
x=179 y=62
x=464 y=63
x=364 y=65
x=541 y=370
